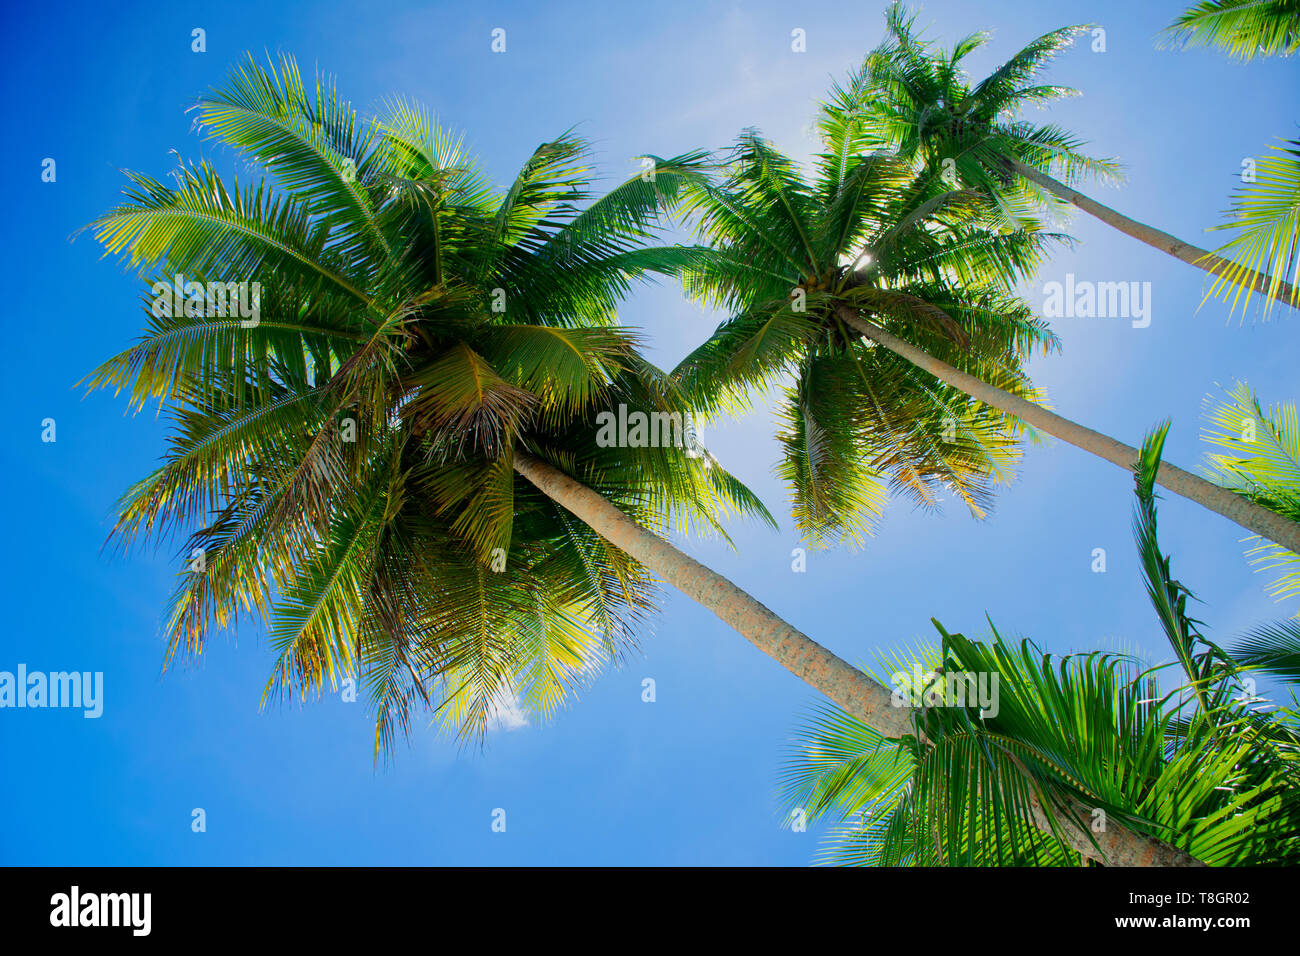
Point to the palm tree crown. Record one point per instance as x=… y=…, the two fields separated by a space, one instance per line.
x=789 y=251
x=343 y=461
x=917 y=100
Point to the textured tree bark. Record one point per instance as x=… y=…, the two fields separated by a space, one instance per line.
x=859 y=695
x=1119 y=846
x=1207 y=494
x=1192 y=255
x=796 y=652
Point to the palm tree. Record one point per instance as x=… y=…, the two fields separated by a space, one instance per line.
x=346 y=463
x=1198 y=766
x=1244 y=28
x=1092 y=733
x=865 y=249
x=384 y=465
x=857 y=419
x=918 y=102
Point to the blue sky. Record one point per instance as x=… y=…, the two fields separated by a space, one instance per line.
x=690 y=778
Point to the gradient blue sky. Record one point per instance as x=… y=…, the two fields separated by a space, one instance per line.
x=688 y=779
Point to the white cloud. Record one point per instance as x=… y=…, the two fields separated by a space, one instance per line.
x=505 y=713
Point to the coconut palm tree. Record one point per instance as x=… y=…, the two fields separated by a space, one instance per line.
x=383 y=463
x=1093 y=734
x=863 y=249
x=918 y=101
x=1244 y=28
x=385 y=460
x=857 y=419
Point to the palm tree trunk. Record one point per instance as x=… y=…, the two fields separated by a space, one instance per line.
x=855 y=692
x=1192 y=255
x=796 y=652
x=1231 y=505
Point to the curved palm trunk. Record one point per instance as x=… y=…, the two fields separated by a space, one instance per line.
x=1192 y=255
x=1231 y=505
x=855 y=692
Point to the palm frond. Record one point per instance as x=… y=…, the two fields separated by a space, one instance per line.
x=1243 y=28
x=1265 y=217
x=1260 y=461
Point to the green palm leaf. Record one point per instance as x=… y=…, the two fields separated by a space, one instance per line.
x=1265 y=217
x=1244 y=28
x=342 y=467
x=1260 y=461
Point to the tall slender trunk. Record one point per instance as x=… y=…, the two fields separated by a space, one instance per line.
x=854 y=691
x=1231 y=505
x=1193 y=255
x=795 y=651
